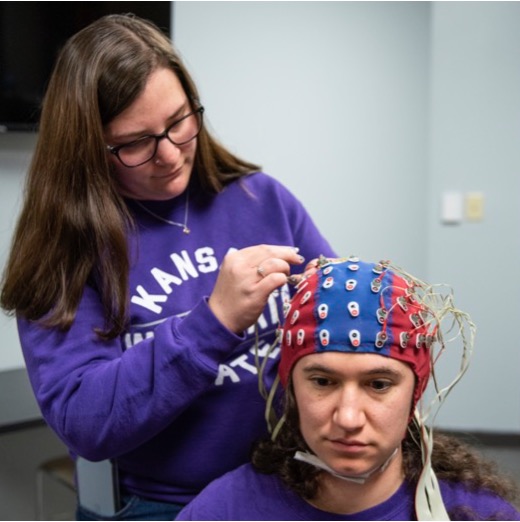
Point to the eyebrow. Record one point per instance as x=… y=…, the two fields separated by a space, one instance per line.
x=379 y=370
x=139 y=134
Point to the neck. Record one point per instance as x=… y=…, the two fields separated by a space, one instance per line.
x=336 y=495
x=159 y=217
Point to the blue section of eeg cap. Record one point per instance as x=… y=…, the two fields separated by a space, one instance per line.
x=347 y=300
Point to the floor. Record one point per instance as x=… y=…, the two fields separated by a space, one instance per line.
x=508 y=459
x=21 y=452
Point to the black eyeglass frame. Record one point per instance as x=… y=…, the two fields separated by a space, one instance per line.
x=158 y=137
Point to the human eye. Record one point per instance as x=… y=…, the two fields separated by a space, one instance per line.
x=319 y=381
x=178 y=123
x=380 y=385
x=137 y=145
x=137 y=151
x=184 y=129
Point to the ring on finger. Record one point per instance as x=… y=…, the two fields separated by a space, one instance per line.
x=260 y=271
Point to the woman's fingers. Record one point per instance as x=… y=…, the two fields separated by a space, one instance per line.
x=310 y=268
x=246 y=279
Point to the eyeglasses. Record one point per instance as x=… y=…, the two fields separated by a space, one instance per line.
x=142 y=150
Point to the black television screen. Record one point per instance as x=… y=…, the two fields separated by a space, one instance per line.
x=31 y=34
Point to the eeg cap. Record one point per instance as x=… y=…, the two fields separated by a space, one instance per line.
x=352 y=306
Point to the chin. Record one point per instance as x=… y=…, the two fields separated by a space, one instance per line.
x=352 y=467
x=174 y=188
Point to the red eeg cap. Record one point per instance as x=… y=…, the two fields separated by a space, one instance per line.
x=355 y=307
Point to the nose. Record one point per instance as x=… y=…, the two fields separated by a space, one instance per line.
x=349 y=412
x=167 y=152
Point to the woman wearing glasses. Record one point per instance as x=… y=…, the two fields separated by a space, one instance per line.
x=147 y=265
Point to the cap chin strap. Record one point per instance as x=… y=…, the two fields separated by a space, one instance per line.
x=309 y=458
x=428 y=499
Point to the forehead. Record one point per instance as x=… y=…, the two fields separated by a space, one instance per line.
x=351 y=364
x=162 y=97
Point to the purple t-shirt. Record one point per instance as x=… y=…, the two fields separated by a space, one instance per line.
x=175 y=398
x=245 y=494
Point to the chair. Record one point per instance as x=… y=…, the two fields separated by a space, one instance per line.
x=61 y=471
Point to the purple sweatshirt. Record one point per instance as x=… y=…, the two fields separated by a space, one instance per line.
x=245 y=494
x=174 y=399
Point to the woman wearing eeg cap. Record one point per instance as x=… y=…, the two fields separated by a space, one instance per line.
x=357 y=351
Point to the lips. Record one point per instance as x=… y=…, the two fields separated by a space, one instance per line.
x=350 y=442
x=349 y=446
x=171 y=175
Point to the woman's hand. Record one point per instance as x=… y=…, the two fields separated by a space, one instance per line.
x=246 y=279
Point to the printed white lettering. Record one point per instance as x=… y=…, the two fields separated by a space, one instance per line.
x=263 y=351
x=131 y=339
x=246 y=361
x=165 y=279
x=148 y=301
x=206 y=260
x=184 y=265
x=137 y=338
x=273 y=307
x=242 y=363
x=225 y=371
x=261 y=322
x=274 y=316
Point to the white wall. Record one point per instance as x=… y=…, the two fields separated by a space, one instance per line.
x=368 y=111
x=475 y=146
x=331 y=98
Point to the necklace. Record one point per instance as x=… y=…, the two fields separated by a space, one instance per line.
x=184 y=225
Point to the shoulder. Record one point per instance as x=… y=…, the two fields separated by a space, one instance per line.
x=459 y=499
x=233 y=496
x=260 y=192
x=261 y=184
x=260 y=179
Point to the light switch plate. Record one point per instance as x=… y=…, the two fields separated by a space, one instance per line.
x=452 y=211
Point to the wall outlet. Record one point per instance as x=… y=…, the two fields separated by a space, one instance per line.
x=474 y=206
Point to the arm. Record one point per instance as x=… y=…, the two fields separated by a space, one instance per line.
x=103 y=401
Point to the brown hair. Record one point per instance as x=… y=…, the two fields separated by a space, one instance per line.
x=452 y=460
x=74 y=224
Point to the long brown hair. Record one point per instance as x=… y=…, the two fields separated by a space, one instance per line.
x=74 y=224
x=452 y=459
